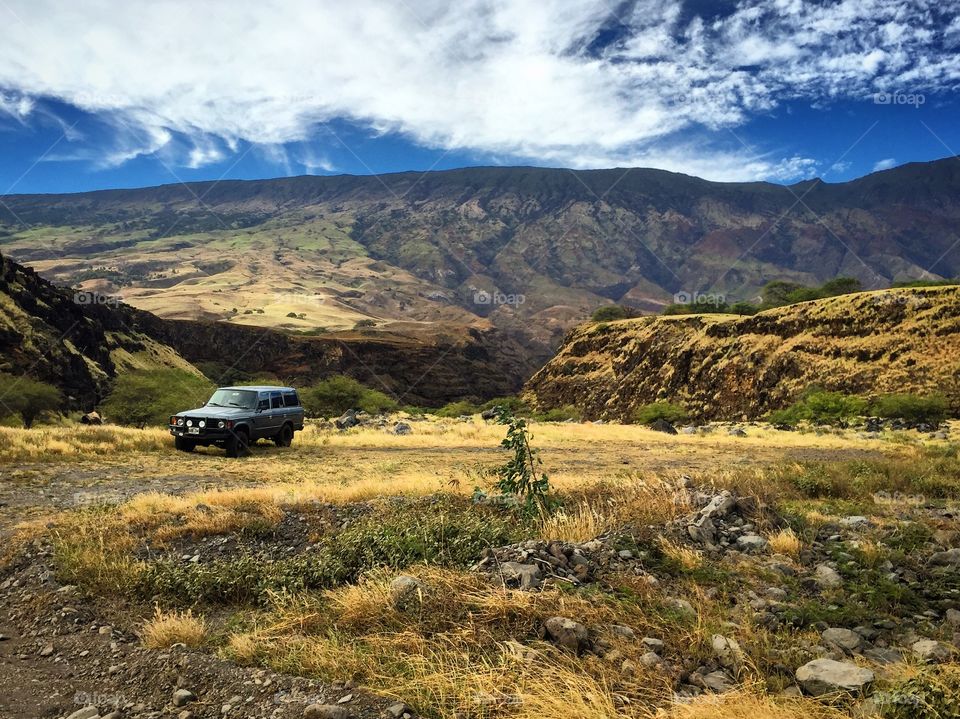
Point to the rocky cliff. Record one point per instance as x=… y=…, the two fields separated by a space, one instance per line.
x=728 y=367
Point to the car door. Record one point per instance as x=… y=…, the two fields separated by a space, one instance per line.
x=277 y=412
x=262 y=418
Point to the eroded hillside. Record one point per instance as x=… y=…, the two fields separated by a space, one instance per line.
x=723 y=366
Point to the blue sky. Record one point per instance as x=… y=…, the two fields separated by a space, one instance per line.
x=110 y=94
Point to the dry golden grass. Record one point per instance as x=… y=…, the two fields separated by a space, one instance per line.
x=786 y=542
x=168 y=628
x=750 y=703
x=687 y=557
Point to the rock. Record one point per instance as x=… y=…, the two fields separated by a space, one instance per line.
x=931 y=651
x=651 y=659
x=736 y=432
x=689 y=429
x=182 y=697
x=883 y=655
x=947 y=558
x=653 y=644
x=718 y=682
x=662 y=425
x=396 y=711
x=91 y=418
x=525 y=576
x=402 y=428
x=347 y=420
x=47 y=651
x=823 y=676
x=406 y=592
x=719 y=506
x=489 y=413
x=622 y=630
x=844 y=638
x=567 y=633
x=90 y=712
x=953 y=616
x=855 y=521
x=751 y=543
x=113 y=715
x=326 y=711
x=727 y=651
x=827 y=577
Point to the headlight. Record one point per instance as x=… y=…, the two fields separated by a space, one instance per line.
x=189 y=422
x=201 y=423
x=221 y=424
x=179 y=421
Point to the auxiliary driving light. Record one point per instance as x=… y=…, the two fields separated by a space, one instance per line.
x=201 y=424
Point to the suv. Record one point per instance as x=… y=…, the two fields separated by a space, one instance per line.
x=236 y=417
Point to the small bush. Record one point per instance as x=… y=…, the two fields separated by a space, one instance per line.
x=911 y=407
x=169 y=628
x=335 y=395
x=513 y=403
x=743 y=308
x=149 y=397
x=667 y=411
x=697 y=308
x=819 y=406
x=457 y=409
x=610 y=313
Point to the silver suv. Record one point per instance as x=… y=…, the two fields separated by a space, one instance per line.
x=236 y=417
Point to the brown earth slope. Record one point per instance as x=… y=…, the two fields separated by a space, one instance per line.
x=728 y=367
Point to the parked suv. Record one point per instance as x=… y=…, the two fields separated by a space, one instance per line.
x=235 y=417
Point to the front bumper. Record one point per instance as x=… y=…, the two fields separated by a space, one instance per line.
x=202 y=434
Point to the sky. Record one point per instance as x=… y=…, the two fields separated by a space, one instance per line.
x=108 y=93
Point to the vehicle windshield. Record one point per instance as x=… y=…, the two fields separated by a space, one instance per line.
x=247 y=399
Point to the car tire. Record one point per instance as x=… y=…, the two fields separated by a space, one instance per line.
x=238 y=445
x=183 y=444
x=284 y=437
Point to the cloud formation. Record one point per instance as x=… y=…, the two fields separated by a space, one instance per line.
x=586 y=84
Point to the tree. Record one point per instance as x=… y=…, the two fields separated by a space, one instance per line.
x=145 y=397
x=667 y=411
x=743 y=308
x=336 y=394
x=776 y=293
x=27 y=397
x=841 y=286
x=609 y=313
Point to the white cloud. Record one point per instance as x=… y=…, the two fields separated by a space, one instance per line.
x=885 y=164
x=506 y=77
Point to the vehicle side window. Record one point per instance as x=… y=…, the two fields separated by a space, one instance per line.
x=276 y=401
x=290 y=399
x=264 y=403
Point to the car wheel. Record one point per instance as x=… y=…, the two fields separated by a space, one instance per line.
x=284 y=436
x=239 y=444
x=183 y=444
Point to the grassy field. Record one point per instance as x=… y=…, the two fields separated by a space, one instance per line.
x=296 y=552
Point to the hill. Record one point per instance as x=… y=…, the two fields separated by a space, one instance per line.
x=727 y=367
x=530 y=251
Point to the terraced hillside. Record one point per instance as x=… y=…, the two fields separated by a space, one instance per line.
x=723 y=366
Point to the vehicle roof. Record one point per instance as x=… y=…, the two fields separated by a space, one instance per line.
x=261 y=388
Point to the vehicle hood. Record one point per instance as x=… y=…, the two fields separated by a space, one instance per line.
x=220 y=412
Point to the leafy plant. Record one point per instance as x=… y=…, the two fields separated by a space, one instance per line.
x=27 y=397
x=911 y=407
x=820 y=406
x=667 y=411
x=149 y=397
x=335 y=395
x=609 y=313
x=522 y=476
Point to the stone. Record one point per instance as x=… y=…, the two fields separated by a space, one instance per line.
x=824 y=676
x=653 y=644
x=525 y=576
x=662 y=425
x=326 y=711
x=953 y=616
x=931 y=651
x=737 y=432
x=719 y=506
x=827 y=577
x=844 y=638
x=402 y=428
x=946 y=558
x=396 y=711
x=567 y=633
x=651 y=659
x=727 y=650
x=47 y=651
x=856 y=521
x=622 y=630
x=90 y=712
x=406 y=592
x=347 y=420
x=91 y=418
x=182 y=697
x=751 y=543
x=718 y=682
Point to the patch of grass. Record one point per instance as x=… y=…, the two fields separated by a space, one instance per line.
x=168 y=628
x=667 y=411
x=786 y=542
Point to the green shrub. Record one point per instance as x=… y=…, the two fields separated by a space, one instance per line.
x=27 y=397
x=743 y=308
x=336 y=394
x=513 y=403
x=456 y=409
x=931 y=693
x=558 y=414
x=697 y=308
x=149 y=397
x=668 y=411
x=820 y=406
x=364 y=323
x=910 y=407
x=926 y=283
x=610 y=313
